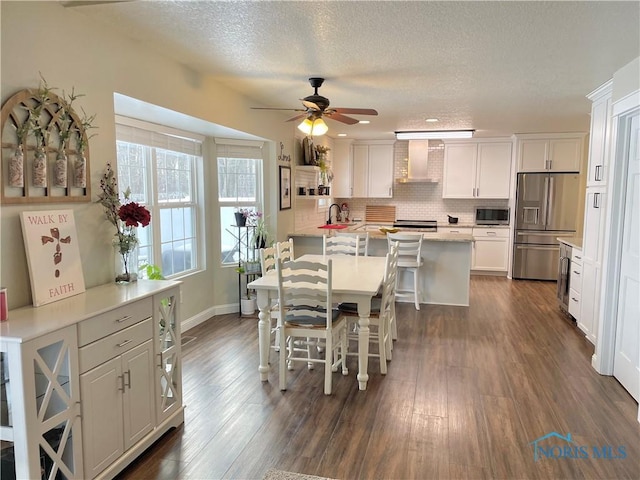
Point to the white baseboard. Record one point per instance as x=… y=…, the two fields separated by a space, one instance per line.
x=207 y=314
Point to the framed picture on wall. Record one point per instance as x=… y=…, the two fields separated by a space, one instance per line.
x=285 y=188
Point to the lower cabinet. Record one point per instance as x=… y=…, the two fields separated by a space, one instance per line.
x=589 y=300
x=491 y=249
x=117 y=406
x=575 y=284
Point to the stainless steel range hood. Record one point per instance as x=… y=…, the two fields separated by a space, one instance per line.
x=418 y=162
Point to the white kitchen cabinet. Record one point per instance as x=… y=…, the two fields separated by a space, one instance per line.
x=456 y=230
x=550 y=153
x=594 y=208
x=490 y=249
x=589 y=302
x=85 y=379
x=575 y=284
x=341 y=165
x=477 y=170
x=599 y=139
x=372 y=170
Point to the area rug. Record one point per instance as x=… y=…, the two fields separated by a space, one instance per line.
x=273 y=474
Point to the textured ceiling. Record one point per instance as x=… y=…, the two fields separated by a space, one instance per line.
x=497 y=67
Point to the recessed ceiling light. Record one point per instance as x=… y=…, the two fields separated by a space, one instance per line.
x=364 y=121
x=342 y=134
x=431 y=120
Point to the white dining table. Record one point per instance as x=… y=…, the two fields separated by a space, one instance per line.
x=354 y=279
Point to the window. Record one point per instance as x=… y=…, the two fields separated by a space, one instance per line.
x=159 y=165
x=239 y=186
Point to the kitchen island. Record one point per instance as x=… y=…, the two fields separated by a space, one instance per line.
x=444 y=277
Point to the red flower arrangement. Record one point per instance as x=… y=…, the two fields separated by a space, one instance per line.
x=125 y=217
x=134 y=215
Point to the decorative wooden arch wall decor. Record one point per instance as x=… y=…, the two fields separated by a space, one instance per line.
x=62 y=174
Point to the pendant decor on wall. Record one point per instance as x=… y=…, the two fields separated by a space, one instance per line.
x=45 y=148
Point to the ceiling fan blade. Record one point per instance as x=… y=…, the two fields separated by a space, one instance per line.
x=357 y=111
x=310 y=105
x=287 y=109
x=341 y=118
x=296 y=117
x=88 y=3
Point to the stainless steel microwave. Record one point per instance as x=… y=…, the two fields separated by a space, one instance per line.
x=492 y=216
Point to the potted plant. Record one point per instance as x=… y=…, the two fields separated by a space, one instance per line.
x=260 y=237
x=326 y=175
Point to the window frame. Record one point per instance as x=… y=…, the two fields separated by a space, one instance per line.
x=257 y=204
x=158 y=207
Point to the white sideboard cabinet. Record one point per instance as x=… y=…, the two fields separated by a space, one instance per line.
x=91 y=381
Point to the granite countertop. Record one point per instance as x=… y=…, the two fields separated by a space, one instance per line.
x=375 y=233
x=574 y=242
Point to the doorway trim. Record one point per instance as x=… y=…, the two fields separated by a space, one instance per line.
x=622 y=111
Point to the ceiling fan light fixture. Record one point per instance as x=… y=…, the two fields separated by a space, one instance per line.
x=313 y=127
x=434 y=134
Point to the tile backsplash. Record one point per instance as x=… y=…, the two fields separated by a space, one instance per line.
x=413 y=201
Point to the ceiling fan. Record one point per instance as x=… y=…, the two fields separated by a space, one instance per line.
x=316 y=106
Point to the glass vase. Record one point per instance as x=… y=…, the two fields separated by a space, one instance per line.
x=80 y=171
x=126 y=257
x=40 y=169
x=60 y=170
x=16 y=168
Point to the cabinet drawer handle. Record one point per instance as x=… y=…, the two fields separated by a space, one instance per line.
x=574 y=299
x=126 y=342
x=596 y=200
x=578 y=257
x=598 y=175
x=491 y=234
x=577 y=273
x=127 y=382
x=123 y=319
x=121 y=387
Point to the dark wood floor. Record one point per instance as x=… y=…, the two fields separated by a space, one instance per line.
x=467 y=392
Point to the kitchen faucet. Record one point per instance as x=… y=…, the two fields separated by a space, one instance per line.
x=337 y=216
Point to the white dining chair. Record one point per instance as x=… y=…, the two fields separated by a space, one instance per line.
x=304 y=298
x=340 y=245
x=363 y=245
x=409 y=260
x=285 y=250
x=382 y=314
x=268 y=258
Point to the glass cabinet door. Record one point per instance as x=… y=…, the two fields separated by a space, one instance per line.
x=40 y=411
x=168 y=353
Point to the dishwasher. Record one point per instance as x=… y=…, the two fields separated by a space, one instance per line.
x=564 y=273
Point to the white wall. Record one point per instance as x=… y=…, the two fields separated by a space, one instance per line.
x=71 y=50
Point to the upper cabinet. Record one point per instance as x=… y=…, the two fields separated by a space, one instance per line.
x=599 y=139
x=341 y=165
x=550 y=152
x=366 y=171
x=479 y=169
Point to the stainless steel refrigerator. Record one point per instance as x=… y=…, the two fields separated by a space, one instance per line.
x=546 y=208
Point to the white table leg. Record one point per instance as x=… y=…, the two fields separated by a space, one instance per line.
x=364 y=309
x=264 y=333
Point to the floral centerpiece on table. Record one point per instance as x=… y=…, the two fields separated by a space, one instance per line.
x=126 y=217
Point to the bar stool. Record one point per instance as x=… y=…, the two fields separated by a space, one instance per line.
x=410 y=260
